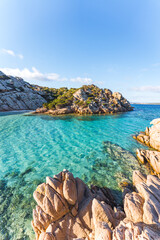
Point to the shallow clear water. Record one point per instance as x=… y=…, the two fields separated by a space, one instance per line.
x=32 y=147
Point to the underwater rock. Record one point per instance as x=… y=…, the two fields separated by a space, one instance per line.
x=16 y=204
x=87 y=215
x=114 y=170
x=122 y=156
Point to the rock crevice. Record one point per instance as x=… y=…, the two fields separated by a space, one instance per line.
x=68 y=209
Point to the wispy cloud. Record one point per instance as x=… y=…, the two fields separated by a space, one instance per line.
x=146 y=89
x=81 y=80
x=7 y=51
x=12 y=53
x=35 y=74
x=20 y=56
x=156 y=64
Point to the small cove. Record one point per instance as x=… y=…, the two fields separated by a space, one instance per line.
x=98 y=149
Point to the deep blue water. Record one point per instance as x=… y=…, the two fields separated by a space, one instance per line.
x=32 y=147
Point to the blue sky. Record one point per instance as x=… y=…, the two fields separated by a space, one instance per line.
x=113 y=44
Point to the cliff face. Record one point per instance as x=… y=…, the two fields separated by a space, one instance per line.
x=89 y=99
x=16 y=94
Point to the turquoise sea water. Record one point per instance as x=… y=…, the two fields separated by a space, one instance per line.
x=32 y=147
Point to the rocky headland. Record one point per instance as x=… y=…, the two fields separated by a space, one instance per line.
x=150 y=138
x=17 y=94
x=68 y=209
x=89 y=99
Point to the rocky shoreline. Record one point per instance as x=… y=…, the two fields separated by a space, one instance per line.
x=16 y=94
x=68 y=209
x=150 y=138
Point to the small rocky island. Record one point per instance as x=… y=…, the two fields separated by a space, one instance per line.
x=89 y=99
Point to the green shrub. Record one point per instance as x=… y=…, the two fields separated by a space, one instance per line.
x=88 y=102
x=64 y=98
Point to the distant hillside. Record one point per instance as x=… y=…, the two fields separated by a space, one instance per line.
x=146 y=103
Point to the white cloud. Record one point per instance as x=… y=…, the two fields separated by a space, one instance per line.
x=147 y=89
x=81 y=80
x=12 y=53
x=35 y=74
x=7 y=51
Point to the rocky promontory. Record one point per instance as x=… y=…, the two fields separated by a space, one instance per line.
x=68 y=209
x=151 y=138
x=89 y=99
x=16 y=94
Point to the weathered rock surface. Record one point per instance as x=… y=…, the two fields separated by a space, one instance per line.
x=142 y=210
x=89 y=99
x=16 y=94
x=153 y=157
x=68 y=209
x=151 y=138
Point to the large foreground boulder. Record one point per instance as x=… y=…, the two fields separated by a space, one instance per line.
x=68 y=209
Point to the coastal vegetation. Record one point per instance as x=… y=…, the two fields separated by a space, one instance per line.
x=88 y=99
